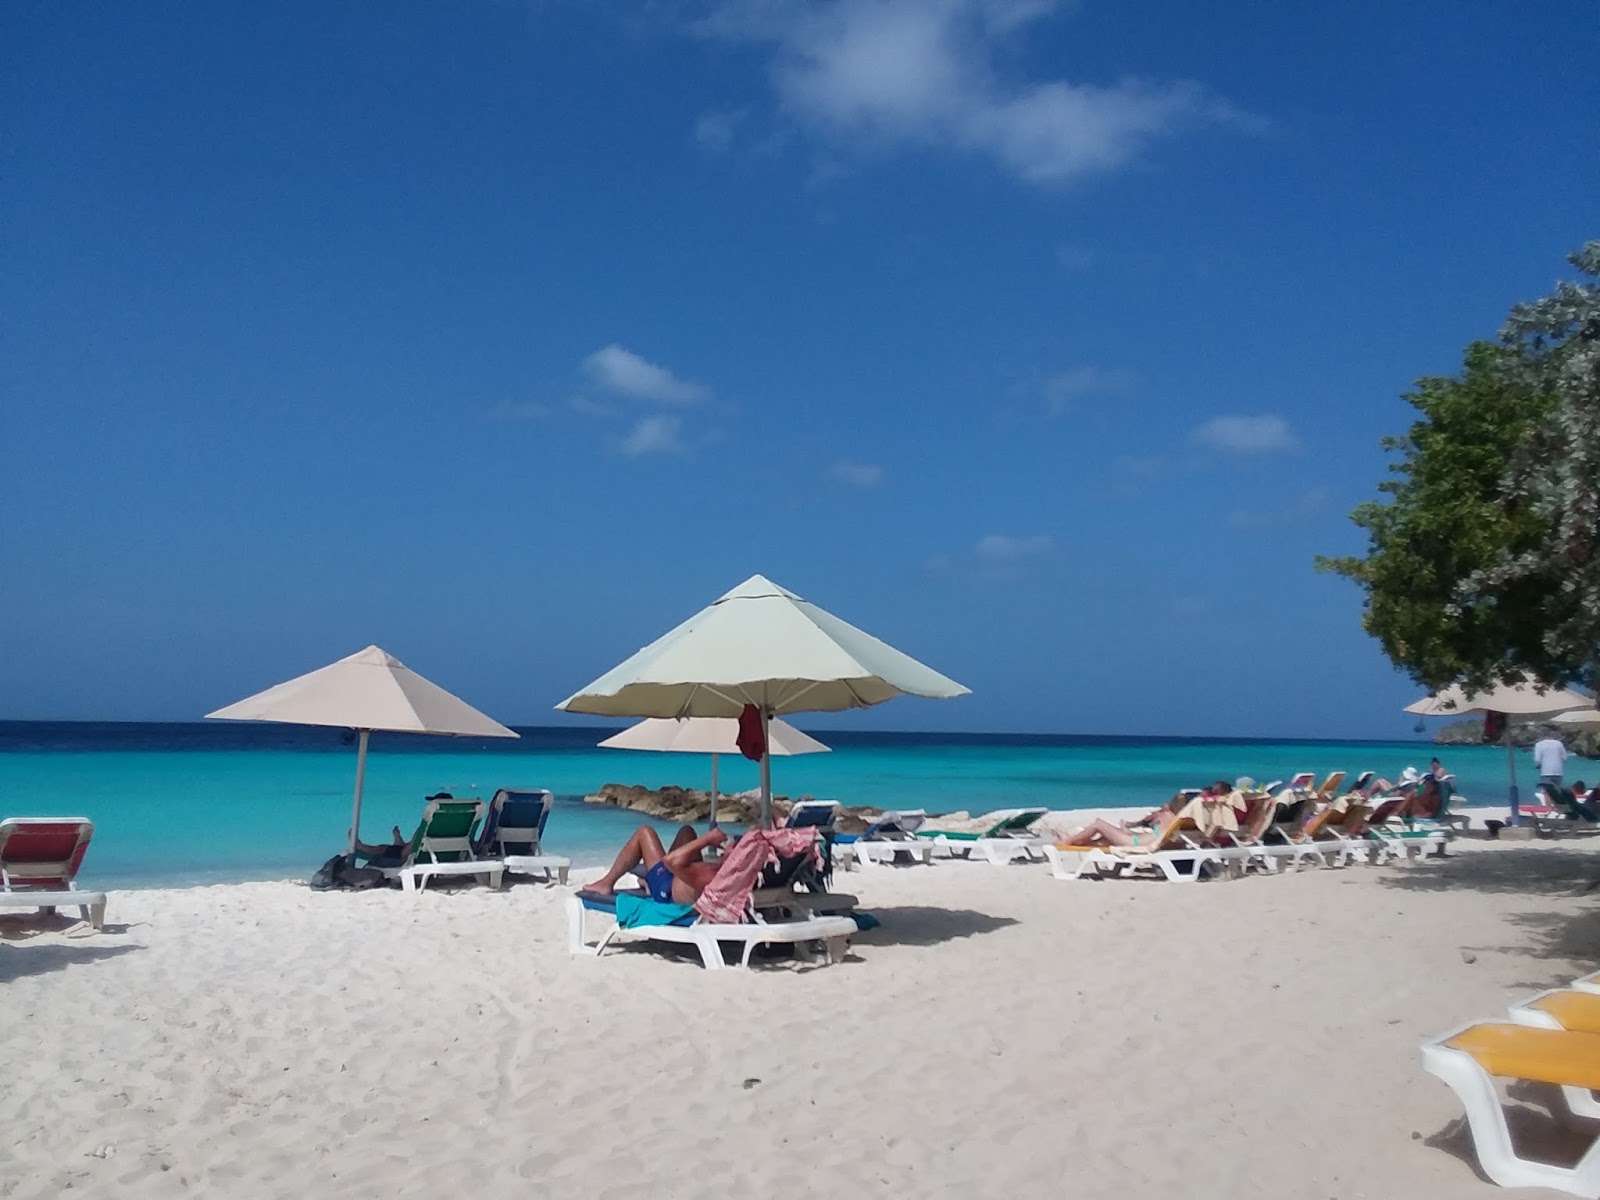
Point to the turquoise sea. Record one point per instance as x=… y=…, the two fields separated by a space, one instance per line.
x=181 y=804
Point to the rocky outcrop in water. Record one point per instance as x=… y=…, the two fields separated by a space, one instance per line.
x=1470 y=733
x=693 y=806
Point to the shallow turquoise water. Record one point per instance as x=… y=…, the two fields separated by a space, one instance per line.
x=190 y=804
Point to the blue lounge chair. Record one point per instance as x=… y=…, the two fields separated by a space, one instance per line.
x=514 y=833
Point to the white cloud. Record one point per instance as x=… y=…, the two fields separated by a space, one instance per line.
x=1003 y=548
x=654 y=435
x=714 y=131
x=1268 y=434
x=617 y=369
x=1062 y=388
x=1307 y=504
x=927 y=72
x=861 y=475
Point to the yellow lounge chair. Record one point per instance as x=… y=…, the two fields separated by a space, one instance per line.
x=1564 y=1008
x=1469 y=1059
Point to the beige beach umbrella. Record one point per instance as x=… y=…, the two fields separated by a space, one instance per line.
x=763 y=646
x=1579 y=718
x=368 y=690
x=715 y=736
x=1514 y=701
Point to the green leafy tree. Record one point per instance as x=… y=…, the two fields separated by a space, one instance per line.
x=1484 y=564
x=1447 y=518
x=1557 y=474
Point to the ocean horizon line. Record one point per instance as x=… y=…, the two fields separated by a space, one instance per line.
x=839 y=734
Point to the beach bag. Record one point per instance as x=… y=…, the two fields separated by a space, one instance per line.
x=340 y=873
x=325 y=878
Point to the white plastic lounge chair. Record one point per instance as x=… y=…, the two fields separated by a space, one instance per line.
x=90 y=905
x=514 y=831
x=1008 y=839
x=1570 y=1009
x=39 y=862
x=1171 y=857
x=890 y=839
x=443 y=844
x=833 y=932
x=1470 y=1058
x=1185 y=865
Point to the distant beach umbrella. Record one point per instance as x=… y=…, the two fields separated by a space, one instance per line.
x=1579 y=718
x=715 y=736
x=764 y=647
x=368 y=690
x=1515 y=701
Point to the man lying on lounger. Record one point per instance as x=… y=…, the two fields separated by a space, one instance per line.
x=677 y=875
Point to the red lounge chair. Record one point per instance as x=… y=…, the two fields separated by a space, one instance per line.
x=39 y=861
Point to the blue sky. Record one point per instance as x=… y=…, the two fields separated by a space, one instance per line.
x=1047 y=341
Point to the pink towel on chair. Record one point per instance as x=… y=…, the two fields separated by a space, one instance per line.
x=726 y=900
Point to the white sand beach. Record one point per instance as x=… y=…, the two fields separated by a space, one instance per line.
x=1003 y=1034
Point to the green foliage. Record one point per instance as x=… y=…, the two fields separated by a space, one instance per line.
x=1448 y=517
x=1484 y=564
x=1557 y=473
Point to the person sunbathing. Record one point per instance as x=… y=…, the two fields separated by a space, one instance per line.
x=393 y=854
x=1147 y=830
x=675 y=876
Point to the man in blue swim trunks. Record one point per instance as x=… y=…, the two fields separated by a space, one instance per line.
x=677 y=875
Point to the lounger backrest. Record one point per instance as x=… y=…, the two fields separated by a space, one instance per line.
x=891 y=826
x=1301 y=780
x=42 y=850
x=1330 y=786
x=516 y=821
x=813 y=814
x=1018 y=822
x=1318 y=821
x=445 y=834
x=1385 y=810
x=1257 y=816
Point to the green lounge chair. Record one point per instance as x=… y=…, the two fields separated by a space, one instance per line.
x=442 y=845
x=1007 y=839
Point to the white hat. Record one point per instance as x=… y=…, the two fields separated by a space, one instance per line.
x=1409 y=775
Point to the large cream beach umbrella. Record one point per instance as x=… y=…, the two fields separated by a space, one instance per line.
x=368 y=690
x=1579 y=718
x=715 y=736
x=1514 y=701
x=763 y=646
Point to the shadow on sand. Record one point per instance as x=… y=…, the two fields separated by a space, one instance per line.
x=918 y=925
x=1536 y=1113
x=17 y=961
x=1537 y=871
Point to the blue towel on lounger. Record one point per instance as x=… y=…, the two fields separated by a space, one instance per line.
x=634 y=911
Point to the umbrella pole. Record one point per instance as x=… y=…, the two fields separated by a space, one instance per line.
x=713 y=815
x=1511 y=774
x=766 y=769
x=361 y=775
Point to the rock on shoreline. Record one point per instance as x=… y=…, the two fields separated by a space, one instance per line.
x=1585 y=742
x=692 y=806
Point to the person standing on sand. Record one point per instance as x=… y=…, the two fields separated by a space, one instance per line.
x=1550 y=760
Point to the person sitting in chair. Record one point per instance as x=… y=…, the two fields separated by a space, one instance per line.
x=676 y=876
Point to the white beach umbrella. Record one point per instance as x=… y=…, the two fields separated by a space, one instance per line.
x=1525 y=700
x=1579 y=718
x=715 y=736
x=1515 y=701
x=759 y=645
x=368 y=690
